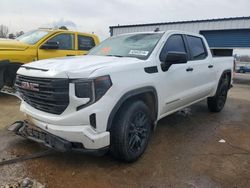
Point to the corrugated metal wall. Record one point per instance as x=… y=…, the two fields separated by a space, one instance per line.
x=228 y=38
x=193 y=26
x=220 y=33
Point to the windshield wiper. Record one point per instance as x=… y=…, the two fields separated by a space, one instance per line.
x=122 y=56
x=115 y=55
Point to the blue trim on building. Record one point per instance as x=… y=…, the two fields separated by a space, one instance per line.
x=228 y=38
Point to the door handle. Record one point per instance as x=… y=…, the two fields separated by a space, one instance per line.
x=189 y=69
x=210 y=66
x=70 y=55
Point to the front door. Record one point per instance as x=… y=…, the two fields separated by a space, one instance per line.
x=176 y=82
x=66 y=42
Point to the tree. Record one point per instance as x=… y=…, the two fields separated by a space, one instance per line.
x=19 y=33
x=4 y=30
x=12 y=36
x=63 y=27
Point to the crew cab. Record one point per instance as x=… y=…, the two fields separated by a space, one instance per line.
x=40 y=44
x=112 y=98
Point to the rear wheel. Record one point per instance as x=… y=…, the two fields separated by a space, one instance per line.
x=131 y=131
x=217 y=102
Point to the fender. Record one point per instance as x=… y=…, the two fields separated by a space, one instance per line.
x=128 y=95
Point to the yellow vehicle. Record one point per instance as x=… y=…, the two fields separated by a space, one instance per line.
x=40 y=44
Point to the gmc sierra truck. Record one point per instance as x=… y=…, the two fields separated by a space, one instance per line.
x=112 y=98
x=40 y=44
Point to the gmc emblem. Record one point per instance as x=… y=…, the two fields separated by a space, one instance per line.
x=30 y=86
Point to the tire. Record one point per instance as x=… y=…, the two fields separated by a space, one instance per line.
x=1 y=78
x=10 y=76
x=130 y=132
x=217 y=102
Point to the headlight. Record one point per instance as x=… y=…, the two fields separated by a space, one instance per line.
x=84 y=89
x=101 y=86
x=94 y=89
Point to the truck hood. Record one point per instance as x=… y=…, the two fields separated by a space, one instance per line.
x=79 y=65
x=8 y=44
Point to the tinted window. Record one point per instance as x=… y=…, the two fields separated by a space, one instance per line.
x=65 y=41
x=174 y=43
x=85 y=42
x=196 y=47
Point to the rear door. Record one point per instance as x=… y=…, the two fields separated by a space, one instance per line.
x=84 y=44
x=201 y=68
x=66 y=42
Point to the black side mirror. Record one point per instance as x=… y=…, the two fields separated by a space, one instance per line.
x=174 y=58
x=50 y=46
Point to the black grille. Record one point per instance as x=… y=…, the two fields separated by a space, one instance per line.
x=52 y=95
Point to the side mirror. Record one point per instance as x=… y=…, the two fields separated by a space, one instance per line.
x=50 y=46
x=174 y=58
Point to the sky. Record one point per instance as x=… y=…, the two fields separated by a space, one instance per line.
x=97 y=15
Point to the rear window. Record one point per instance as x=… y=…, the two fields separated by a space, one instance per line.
x=197 y=48
x=85 y=42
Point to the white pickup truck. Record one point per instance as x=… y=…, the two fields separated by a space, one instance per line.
x=112 y=98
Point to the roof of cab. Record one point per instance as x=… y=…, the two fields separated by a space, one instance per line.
x=64 y=30
x=163 y=32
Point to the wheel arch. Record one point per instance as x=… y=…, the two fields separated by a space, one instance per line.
x=3 y=67
x=146 y=94
x=8 y=71
x=226 y=74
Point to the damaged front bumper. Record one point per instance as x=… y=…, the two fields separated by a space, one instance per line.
x=31 y=132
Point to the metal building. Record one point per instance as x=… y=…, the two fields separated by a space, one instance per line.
x=220 y=33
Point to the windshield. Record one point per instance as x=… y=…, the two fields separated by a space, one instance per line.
x=131 y=45
x=32 y=37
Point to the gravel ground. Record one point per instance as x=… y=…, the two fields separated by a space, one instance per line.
x=184 y=151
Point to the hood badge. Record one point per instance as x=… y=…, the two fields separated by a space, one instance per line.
x=30 y=86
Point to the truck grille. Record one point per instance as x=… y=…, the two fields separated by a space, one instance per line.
x=45 y=94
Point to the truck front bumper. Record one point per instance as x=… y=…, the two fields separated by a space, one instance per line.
x=99 y=143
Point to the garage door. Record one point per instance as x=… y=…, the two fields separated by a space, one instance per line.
x=228 y=38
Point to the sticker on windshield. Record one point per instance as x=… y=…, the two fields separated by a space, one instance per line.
x=106 y=50
x=138 y=52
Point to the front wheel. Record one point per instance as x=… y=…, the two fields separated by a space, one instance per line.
x=131 y=131
x=217 y=102
x=1 y=78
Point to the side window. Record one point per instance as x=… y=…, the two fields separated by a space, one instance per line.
x=197 y=48
x=174 y=43
x=85 y=42
x=65 y=41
